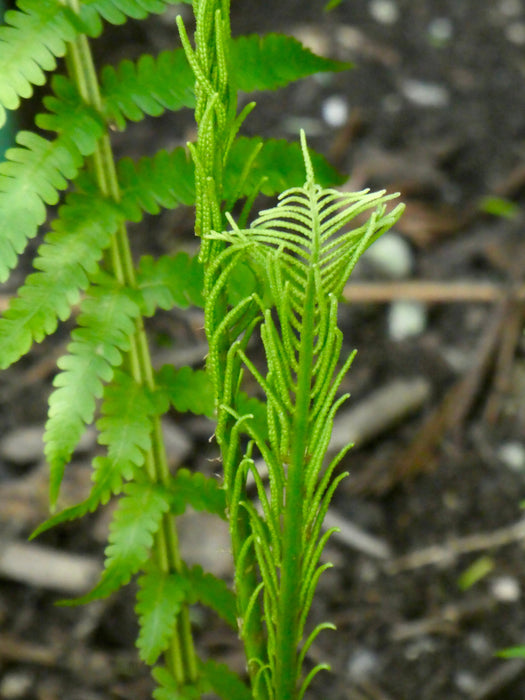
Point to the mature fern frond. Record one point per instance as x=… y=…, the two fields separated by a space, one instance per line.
x=274 y=60
x=159 y=600
x=32 y=176
x=198 y=491
x=172 y=280
x=36 y=34
x=224 y=682
x=136 y=520
x=125 y=427
x=132 y=90
x=30 y=41
x=211 y=591
x=187 y=389
x=66 y=259
x=106 y=326
x=165 y=180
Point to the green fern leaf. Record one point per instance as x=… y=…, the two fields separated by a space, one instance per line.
x=172 y=280
x=30 y=41
x=167 y=180
x=272 y=61
x=225 y=682
x=125 y=427
x=213 y=592
x=159 y=600
x=277 y=166
x=187 y=389
x=32 y=176
x=169 y=688
x=69 y=254
x=132 y=90
x=198 y=491
x=106 y=326
x=136 y=520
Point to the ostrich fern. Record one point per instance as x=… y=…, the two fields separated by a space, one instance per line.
x=298 y=256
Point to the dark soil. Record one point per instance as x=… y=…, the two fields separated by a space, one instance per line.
x=435 y=107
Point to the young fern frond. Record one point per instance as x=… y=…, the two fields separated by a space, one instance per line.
x=304 y=252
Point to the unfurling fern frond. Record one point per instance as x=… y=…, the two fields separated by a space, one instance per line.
x=305 y=251
x=106 y=324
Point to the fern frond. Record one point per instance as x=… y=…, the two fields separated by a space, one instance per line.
x=165 y=180
x=125 y=427
x=107 y=322
x=198 y=491
x=169 y=687
x=33 y=175
x=172 y=280
x=66 y=259
x=30 y=41
x=159 y=600
x=136 y=520
x=225 y=682
x=187 y=389
x=273 y=61
x=213 y=592
x=132 y=90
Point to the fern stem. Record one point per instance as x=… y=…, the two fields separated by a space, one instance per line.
x=180 y=657
x=287 y=671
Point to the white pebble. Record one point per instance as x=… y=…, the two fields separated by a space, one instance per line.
x=15 y=685
x=515 y=33
x=384 y=11
x=510 y=8
x=362 y=665
x=335 y=111
x=406 y=319
x=425 y=94
x=466 y=682
x=391 y=255
x=506 y=589
x=512 y=454
x=440 y=29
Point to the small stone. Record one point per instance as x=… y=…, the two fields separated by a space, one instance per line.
x=335 y=111
x=515 y=33
x=178 y=445
x=512 y=454
x=362 y=664
x=406 y=319
x=384 y=11
x=466 y=682
x=506 y=589
x=510 y=8
x=440 y=30
x=391 y=255
x=26 y=445
x=15 y=685
x=425 y=94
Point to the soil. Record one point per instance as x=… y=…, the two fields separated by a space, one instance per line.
x=433 y=108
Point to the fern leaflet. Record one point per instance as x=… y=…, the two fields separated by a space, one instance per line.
x=172 y=280
x=198 y=491
x=159 y=600
x=106 y=325
x=187 y=389
x=69 y=254
x=136 y=520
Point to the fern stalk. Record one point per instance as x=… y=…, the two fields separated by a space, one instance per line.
x=218 y=124
x=180 y=656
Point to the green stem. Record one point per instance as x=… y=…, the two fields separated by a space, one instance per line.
x=286 y=669
x=180 y=657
